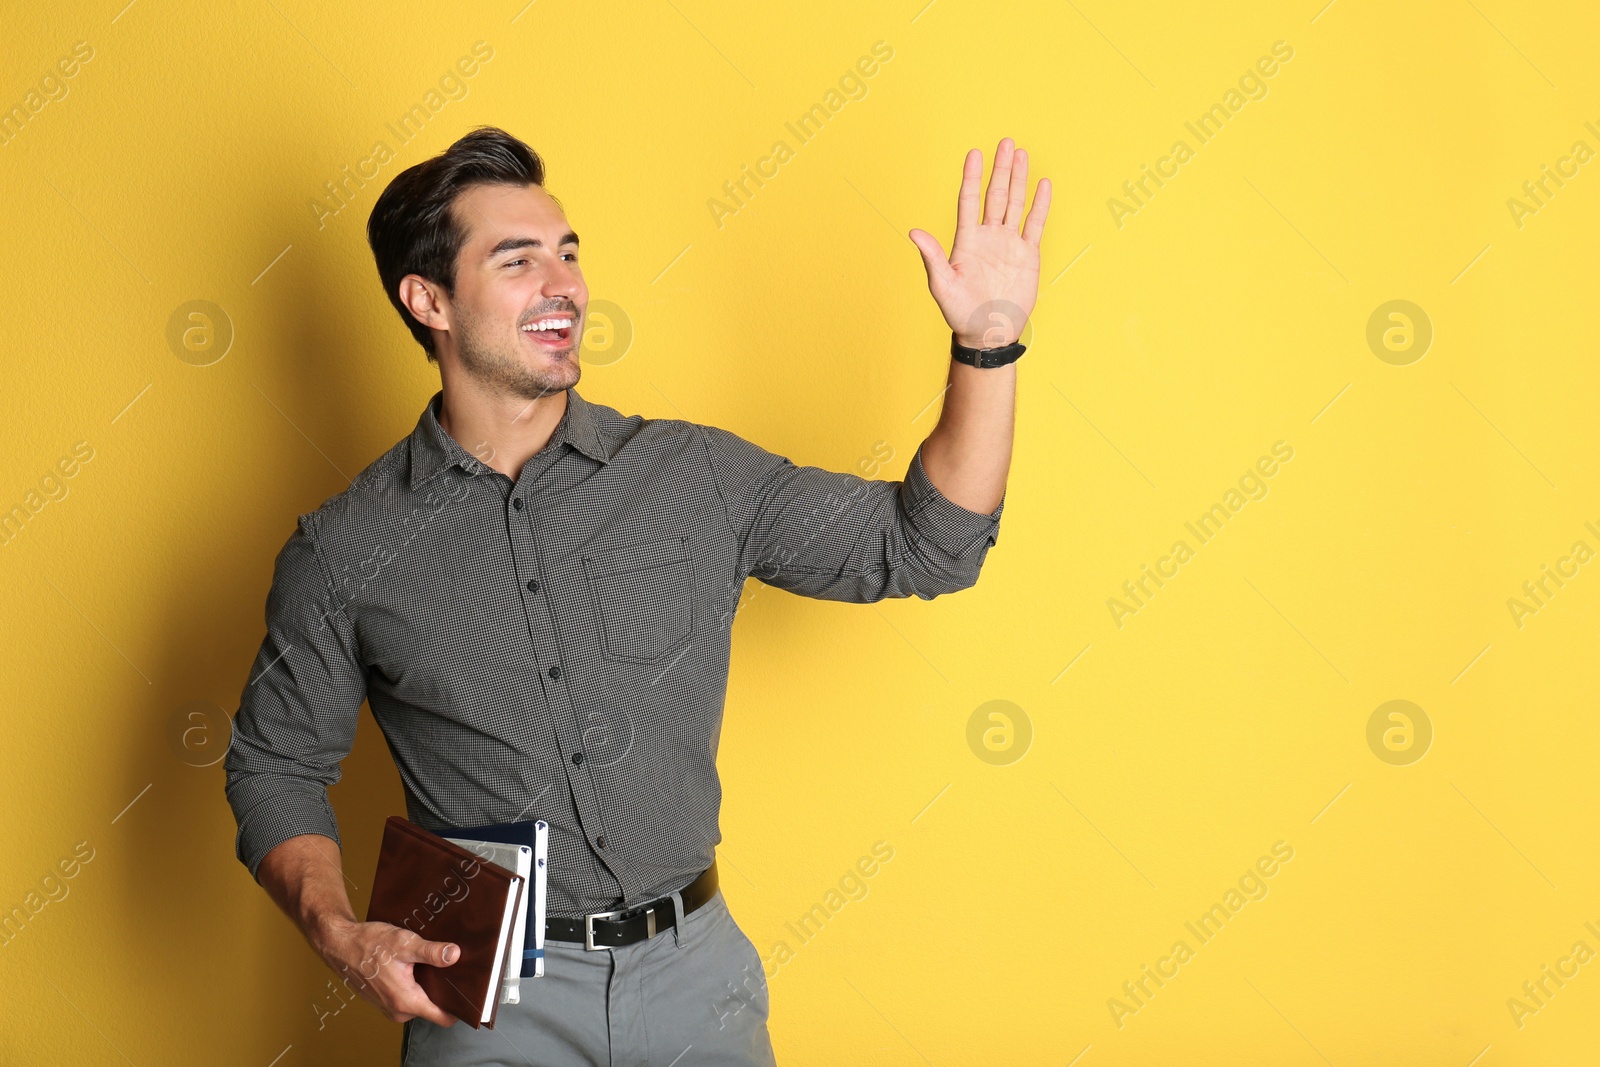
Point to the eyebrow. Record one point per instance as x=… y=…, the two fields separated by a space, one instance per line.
x=511 y=244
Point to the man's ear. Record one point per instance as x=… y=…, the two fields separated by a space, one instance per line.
x=425 y=301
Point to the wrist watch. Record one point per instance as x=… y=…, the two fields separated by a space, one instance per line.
x=986 y=357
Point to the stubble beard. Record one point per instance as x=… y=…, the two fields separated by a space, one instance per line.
x=514 y=369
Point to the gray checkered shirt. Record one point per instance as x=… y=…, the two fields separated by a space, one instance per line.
x=556 y=646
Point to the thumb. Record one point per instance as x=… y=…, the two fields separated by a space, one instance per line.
x=933 y=257
x=436 y=953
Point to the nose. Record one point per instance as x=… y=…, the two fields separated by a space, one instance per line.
x=562 y=281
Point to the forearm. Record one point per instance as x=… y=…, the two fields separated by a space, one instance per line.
x=968 y=455
x=305 y=877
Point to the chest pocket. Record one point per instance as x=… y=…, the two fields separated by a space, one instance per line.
x=644 y=597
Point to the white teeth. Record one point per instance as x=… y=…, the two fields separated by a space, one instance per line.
x=547 y=324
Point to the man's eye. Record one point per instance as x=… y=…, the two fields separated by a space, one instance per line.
x=514 y=262
x=574 y=255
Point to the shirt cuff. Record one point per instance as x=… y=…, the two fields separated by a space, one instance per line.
x=951 y=527
x=285 y=813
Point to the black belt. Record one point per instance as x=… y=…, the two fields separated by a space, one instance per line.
x=614 y=929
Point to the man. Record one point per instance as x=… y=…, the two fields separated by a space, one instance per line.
x=536 y=594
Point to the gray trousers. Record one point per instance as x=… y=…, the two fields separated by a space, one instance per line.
x=690 y=996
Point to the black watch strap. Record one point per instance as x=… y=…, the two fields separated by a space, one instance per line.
x=986 y=357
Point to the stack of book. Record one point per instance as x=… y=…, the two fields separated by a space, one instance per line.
x=470 y=889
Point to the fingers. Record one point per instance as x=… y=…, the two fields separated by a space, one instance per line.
x=1033 y=230
x=410 y=998
x=994 y=204
x=1008 y=192
x=381 y=958
x=420 y=1006
x=967 y=200
x=1017 y=192
x=414 y=1003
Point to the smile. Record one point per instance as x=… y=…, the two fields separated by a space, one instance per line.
x=553 y=331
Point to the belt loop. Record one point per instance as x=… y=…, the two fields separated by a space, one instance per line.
x=679 y=934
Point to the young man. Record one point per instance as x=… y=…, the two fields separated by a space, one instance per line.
x=536 y=594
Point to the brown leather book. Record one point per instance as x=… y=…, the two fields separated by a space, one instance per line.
x=442 y=892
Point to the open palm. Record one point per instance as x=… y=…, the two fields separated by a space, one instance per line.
x=987 y=287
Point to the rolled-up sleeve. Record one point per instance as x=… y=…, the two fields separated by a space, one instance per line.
x=837 y=536
x=297 y=716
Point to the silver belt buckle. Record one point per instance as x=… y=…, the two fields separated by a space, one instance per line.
x=588 y=924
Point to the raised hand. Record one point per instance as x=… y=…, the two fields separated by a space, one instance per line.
x=987 y=288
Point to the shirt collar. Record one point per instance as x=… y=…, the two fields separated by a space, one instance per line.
x=432 y=449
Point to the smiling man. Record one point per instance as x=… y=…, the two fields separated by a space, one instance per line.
x=535 y=594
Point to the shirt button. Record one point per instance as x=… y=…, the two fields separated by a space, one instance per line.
x=517 y=503
x=577 y=757
x=533 y=586
x=601 y=841
x=555 y=672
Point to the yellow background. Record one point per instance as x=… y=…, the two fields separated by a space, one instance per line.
x=1229 y=313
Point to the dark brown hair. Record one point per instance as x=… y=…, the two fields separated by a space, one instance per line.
x=412 y=229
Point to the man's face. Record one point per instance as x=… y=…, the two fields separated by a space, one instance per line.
x=517 y=268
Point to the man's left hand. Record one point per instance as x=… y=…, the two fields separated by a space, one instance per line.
x=987 y=288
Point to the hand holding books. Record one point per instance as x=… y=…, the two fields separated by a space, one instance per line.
x=428 y=886
x=376 y=960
